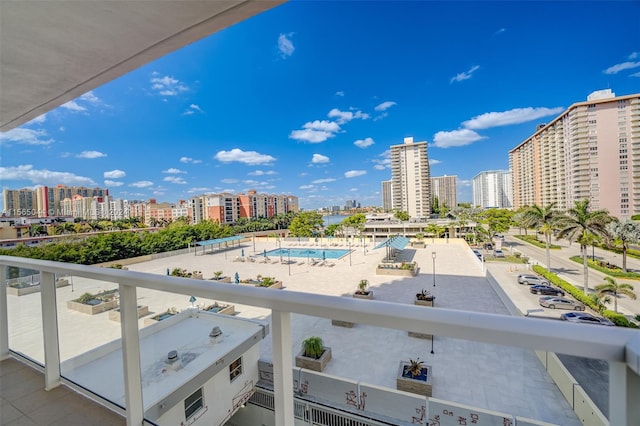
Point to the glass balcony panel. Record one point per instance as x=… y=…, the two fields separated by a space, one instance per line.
x=24 y=313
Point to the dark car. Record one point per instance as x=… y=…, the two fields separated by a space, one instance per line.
x=546 y=289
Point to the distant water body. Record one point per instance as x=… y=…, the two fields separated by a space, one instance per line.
x=335 y=218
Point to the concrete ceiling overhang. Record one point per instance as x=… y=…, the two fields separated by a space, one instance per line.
x=54 y=51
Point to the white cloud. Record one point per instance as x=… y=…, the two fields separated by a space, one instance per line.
x=43 y=176
x=174 y=171
x=354 y=173
x=465 y=75
x=91 y=154
x=500 y=31
x=229 y=181
x=326 y=180
x=340 y=93
x=346 y=116
x=459 y=137
x=464 y=182
x=316 y=131
x=193 y=108
x=364 y=143
x=262 y=173
x=188 y=160
x=637 y=74
x=285 y=46
x=615 y=69
x=24 y=136
x=73 y=106
x=141 y=184
x=199 y=189
x=251 y=158
x=114 y=174
x=38 y=120
x=108 y=182
x=384 y=106
x=384 y=162
x=175 y=179
x=306 y=187
x=90 y=97
x=505 y=118
x=319 y=159
x=433 y=161
x=167 y=86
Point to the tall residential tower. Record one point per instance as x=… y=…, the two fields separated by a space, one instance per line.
x=410 y=176
x=443 y=190
x=492 y=189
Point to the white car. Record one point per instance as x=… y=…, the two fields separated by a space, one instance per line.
x=531 y=279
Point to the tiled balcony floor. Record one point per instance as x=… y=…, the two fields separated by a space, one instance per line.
x=25 y=402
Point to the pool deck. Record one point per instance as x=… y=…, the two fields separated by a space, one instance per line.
x=499 y=378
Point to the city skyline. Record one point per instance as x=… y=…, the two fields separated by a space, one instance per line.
x=284 y=103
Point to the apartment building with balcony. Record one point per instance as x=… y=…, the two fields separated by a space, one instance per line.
x=387 y=197
x=444 y=189
x=590 y=151
x=410 y=177
x=492 y=189
x=44 y=201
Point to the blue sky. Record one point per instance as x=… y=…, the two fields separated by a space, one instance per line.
x=306 y=99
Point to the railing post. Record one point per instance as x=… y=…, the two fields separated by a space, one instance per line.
x=4 y=318
x=131 y=355
x=624 y=388
x=282 y=368
x=50 y=330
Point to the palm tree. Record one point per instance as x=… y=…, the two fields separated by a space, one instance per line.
x=545 y=220
x=626 y=232
x=578 y=224
x=611 y=287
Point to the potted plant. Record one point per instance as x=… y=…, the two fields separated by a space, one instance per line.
x=415 y=377
x=362 y=292
x=420 y=242
x=424 y=298
x=314 y=355
x=93 y=304
x=217 y=276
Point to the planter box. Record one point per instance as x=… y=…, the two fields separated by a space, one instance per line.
x=419 y=387
x=15 y=291
x=339 y=323
x=312 y=363
x=397 y=271
x=159 y=317
x=348 y=324
x=114 y=315
x=419 y=244
x=364 y=296
x=221 y=280
x=277 y=284
x=223 y=309
x=423 y=302
x=92 y=309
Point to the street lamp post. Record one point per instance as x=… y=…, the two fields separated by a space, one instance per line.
x=433 y=256
x=289 y=260
x=349 y=252
x=432 y=345
x=280 y=248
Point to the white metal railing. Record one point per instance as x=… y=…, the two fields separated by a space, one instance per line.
x=619 y=346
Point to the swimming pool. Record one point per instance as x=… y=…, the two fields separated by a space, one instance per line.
x=309 y=253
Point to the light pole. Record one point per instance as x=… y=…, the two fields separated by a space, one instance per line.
x=254 y=243
x=433 y=256
x=432 y=345
x=280 y=249
x=349 y=252
x=289 y=260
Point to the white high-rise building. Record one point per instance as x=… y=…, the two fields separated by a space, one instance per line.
x=492 y=189
x=443 y=188
x=410 y=176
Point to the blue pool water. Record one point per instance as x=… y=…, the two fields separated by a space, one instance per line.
x=310 y=253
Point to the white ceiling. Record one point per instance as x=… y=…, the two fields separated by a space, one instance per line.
x=54 y=51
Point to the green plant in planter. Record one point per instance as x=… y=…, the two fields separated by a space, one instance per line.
x=85 y=298
x=217 y=275
x=266 y=281
x=415 y=367
x=313 y=347
x=362 y=287
x=425 y=295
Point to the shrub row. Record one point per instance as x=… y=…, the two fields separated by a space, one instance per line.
x=531 y=239
x=607 y=268
x=616 y=318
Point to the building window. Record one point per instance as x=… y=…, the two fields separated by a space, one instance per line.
x=193 y=403
x=235 y=369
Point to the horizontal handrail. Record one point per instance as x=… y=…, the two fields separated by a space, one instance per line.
x=606 y=343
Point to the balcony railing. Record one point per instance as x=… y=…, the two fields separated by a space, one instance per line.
x=618 y=346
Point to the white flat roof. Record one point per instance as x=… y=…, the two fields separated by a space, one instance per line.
x=188 y=333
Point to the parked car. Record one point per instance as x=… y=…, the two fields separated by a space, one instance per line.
x=530 y=279
x=498 y=253
x=560 y=303
x=585 y=318
x=477 y=253
x=546 y=289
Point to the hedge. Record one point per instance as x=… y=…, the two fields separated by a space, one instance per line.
x=536 y=242
x=616 y=318
x=608 y=268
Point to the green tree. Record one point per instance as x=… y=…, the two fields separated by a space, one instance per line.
x=401 y=215
x=613 y=288
x=578 y=224
x=497 y=220
x=624 y=233
x=332 y=230
x=545 y=220
x=434 y=230
x=306 y=224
